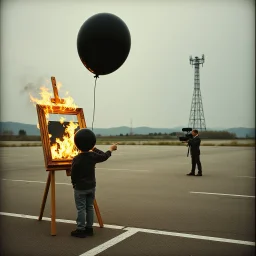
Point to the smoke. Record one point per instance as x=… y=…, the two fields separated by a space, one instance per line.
x=32 y=87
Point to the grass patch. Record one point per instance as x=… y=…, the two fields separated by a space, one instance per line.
x=208 y=144
x=21 y=145
x=162 y=143
x=236 y=145
x=142 y=142
x=146 y=143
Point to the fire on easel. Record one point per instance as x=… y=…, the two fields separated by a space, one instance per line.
x=52 y=164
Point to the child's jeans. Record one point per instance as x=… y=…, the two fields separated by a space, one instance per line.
x=84 y=204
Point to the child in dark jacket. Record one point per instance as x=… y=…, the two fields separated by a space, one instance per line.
x=84 y=181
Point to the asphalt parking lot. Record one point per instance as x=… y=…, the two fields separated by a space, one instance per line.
x=148 y=204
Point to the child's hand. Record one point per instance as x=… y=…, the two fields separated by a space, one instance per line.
x=91 y=150
x=113 y=147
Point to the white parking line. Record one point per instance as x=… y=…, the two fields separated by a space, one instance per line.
x=130 y=170
x=209 y=238
x=133 y=230
x=97 y=168
x=220 y=194
x=9 y=168
x=37 y=181
x=108 y=244
x=24 y=216
x=251 y=177
x=69 y=184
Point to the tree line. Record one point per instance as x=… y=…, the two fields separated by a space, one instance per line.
x=10 y=132
x=174 y=135
x=171 y=136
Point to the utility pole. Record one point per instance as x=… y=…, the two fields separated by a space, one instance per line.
x=131 y=131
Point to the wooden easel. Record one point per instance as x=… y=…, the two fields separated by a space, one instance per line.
x=51 y=170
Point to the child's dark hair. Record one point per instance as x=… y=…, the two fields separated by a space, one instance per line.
x=85 y=139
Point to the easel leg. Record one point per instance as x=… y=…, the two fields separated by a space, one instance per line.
x=97 y=211
x=45 y=196
x=53 y=208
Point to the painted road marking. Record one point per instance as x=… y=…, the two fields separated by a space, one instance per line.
x=209 y=238
x=220 y=194
x=37 y=181
x=24 y=216
x=251 y=177
x=111 y=169
x=97 y=168
x=98 y=249
x=69 y=184
x=135 y=230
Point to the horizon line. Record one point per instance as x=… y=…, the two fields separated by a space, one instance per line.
x=174 y=127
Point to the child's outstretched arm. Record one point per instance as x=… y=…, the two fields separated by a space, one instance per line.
x=112 y=148
x=98 y=151
x=101 y=156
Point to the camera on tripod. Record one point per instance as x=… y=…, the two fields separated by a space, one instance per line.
x=187 y=136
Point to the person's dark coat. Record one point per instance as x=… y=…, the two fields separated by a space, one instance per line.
x=194 y=145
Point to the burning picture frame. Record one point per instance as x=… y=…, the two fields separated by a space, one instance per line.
x=59 y=149
x=58 y=136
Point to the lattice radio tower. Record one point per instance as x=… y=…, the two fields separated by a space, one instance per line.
x=196 y=118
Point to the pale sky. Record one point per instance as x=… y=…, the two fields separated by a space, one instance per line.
x=154 y=86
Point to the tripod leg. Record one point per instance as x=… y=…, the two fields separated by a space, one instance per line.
x=46 y=190
x=53 y=206
x=97 y=211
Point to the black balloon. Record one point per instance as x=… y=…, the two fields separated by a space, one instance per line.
x=85 y=139
x=103 y=43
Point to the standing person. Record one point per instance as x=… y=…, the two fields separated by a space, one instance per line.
x=84 y=181
x=194 y=146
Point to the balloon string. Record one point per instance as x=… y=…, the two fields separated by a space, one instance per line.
x=96 y=76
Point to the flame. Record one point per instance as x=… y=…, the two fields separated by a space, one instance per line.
x=62 y=119
x=46 y=97
x=64 y=148
x=59 y=85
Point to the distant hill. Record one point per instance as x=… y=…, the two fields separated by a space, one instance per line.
x=242 y=132
x=31 y=129
x=137 y=130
